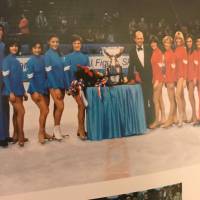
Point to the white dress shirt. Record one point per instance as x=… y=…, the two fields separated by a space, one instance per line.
x=140 y=54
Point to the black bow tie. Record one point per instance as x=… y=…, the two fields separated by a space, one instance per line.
x=139 y=48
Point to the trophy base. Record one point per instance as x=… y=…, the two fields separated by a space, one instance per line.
x=115 y=79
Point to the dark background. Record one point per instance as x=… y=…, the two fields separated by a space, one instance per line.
x=83 y=15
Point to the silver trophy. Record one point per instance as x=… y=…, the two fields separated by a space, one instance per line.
x=113 y=70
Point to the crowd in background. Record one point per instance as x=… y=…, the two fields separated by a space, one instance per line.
x=107 y=30
x=104 y=26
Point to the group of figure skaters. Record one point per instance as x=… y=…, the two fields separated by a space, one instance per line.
x=173 y=63
x=175 y=66
x=49 y=75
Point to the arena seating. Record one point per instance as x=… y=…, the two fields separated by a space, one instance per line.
x=88 y=14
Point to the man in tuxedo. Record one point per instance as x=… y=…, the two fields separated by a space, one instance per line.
x=140 y=66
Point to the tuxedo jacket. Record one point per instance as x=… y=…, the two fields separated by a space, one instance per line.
x=135 y=65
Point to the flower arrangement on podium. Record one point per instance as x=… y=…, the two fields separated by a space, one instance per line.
x=86 y=77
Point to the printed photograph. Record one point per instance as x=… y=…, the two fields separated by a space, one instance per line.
x=172 y=192
x=93 y=91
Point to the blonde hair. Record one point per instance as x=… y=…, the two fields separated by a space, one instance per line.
x=167 y=39
x=179 y=34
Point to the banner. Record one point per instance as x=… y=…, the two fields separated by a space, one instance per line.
x=98 y=62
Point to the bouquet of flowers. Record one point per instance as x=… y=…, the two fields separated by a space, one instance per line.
x=90 y=76
x=86 y=77
x=76 y=87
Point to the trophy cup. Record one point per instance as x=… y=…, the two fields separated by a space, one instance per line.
x=114 y=71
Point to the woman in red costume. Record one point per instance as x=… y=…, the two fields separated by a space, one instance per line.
x=170 y=79
x=158 y=80
x=181 y=64
x=191 y=75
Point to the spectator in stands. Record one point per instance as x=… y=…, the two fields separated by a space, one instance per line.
x=197 y=24
x=132 y=27
x=99 y=36
x=10 y=3
x=168 y=30
x=90 y=37
x=63 y=27
x=24 y=34
x=142 y=25
x=107 y=22
x=193 y=30
x=184 y=30
x=161 y=23
x=110 y=37
x=74 y=22
x=160 y=28
x=74 y=25
x=41 y=21
x=3 y=22
x=24 y=25
x=63 y=23
x=116 y=21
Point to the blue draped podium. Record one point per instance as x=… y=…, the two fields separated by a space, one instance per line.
x=117 y=113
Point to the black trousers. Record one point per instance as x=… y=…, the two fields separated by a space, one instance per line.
x=147 y=89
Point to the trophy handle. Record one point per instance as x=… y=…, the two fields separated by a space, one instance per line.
x=120 y=52
x=106 y=53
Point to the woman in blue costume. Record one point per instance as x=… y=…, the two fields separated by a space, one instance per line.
x=54 y=67
x=13 y=88
x=38 y=87
x=72 y=60
x=4 y=104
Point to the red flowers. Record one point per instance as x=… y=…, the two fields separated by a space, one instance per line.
x=89 y=72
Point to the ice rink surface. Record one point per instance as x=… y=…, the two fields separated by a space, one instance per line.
x=73 y=162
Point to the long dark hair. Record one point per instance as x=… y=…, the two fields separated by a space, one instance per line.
x=11 y=43
x=34 y=43
x=156 y=40
x=192 y=49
